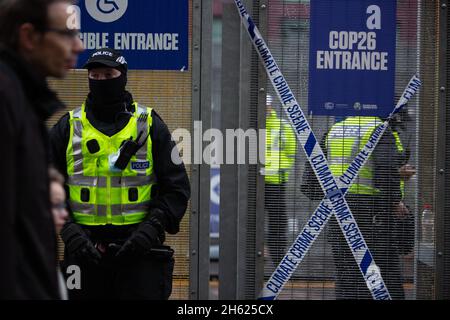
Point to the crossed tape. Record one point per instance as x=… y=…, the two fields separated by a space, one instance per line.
x=333 y=189
x=322 y=214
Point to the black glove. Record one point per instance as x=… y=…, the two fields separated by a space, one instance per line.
x=148 y=234
x=78 y=243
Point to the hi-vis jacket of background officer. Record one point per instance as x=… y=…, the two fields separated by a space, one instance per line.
x=344 y=141
x=281 y=147
x=99 y=193
x=401 y=151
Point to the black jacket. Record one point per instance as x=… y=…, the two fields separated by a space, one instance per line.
x=27 y=233
x=172 y=191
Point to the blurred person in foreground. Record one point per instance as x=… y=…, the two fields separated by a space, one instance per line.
x=35 y=43
x=60 y=215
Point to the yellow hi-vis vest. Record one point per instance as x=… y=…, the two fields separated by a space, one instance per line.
x=400 y=149
x=344 y=141
x=281 y=147
x=100 y=195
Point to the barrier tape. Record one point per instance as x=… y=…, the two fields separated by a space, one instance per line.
x=322 y=214
x=315 y=156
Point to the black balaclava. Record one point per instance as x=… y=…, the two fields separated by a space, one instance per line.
x=107 y=97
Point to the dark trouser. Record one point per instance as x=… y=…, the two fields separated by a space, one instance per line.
x=275 y=205
x=376 y=226
x=148 y=277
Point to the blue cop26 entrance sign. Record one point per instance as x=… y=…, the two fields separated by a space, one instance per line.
x=152 y=34
x=352 y=57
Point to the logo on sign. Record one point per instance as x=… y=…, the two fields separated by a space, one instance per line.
x=357 y=106
x=106 y=10
x=329 y=105
x=140 y=165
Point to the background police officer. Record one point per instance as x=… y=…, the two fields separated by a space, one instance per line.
x=125 y=192
x=403 y=216
x=372 y=198
x=281 y=145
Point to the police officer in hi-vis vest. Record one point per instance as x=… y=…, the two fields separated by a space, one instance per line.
x=404 y=217
x=406 y=170
x=124 y=190
x=281 y=145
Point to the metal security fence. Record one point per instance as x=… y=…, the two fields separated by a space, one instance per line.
x=272 y=217
x=317 y=277
x=442 y=222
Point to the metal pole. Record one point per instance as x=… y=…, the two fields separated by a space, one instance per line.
x=442 y=174
x=201 y=111
x=228 y=233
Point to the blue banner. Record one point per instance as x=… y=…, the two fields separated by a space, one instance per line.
x=352 y=57
x=151 y=34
